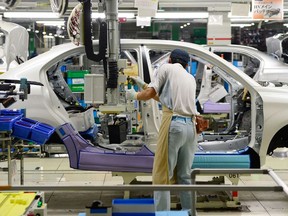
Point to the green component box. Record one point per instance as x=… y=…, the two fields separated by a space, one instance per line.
x=77 y=88
x=75 y=80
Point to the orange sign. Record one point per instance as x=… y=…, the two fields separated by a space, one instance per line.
x=267 y=9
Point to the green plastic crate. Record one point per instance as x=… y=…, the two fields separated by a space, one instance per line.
x=77 y=74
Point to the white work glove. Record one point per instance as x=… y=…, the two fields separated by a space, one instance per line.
x=139 y=82
x=131 y=94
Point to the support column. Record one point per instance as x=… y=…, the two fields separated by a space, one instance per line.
x=218 y=28
x=113 y=51
x=113 y=32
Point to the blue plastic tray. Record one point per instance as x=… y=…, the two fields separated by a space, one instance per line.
x=9 y=112
x=22 y=128
x=41 y=133
x=6 y=122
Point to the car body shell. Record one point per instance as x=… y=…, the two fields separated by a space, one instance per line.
x=269 y=111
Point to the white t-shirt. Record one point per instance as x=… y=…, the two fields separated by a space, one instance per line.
x=176 y=89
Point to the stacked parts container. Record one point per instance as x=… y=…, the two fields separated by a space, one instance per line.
x=41 y=133
x=32 y=130
x=23 y=127
x=9 y=112
x=133 y=207
x=8 y=117
x=75 y=80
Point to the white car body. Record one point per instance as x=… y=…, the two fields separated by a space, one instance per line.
x=269 y=112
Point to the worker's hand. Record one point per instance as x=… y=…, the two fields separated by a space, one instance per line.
x=139 y=82
x=131 y=94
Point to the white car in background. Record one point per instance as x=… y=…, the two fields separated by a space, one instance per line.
x=14 y=41
x=259 y=65
x=267 y=123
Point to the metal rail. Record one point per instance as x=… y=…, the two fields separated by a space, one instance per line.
x=142 y=188
x=281 y=186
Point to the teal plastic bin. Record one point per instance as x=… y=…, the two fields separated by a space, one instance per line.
x=133 y=207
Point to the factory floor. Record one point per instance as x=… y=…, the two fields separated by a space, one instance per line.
x=56 y=171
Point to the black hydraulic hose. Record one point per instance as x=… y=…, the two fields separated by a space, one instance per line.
x=88 y=35
x=113 y=74
x=88 y=43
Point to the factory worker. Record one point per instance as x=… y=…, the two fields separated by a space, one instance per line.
x=175 y=88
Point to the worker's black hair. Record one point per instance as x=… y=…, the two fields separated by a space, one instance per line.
x=180 y=56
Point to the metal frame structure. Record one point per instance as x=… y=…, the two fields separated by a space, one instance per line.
x=8 y=142
x=281 y=186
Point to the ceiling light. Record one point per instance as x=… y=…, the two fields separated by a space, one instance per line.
x=173 y=15
x=30 y=15
x=188 y=24
x=241 y=25
x=122 y=15
x=126 y=15
x=98 y=15
x=48 y=36
x=51 y=15
x=51 y=23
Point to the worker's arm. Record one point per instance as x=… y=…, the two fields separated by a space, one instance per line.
x=147 y=94
x=156 y=98
x=144 y=86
